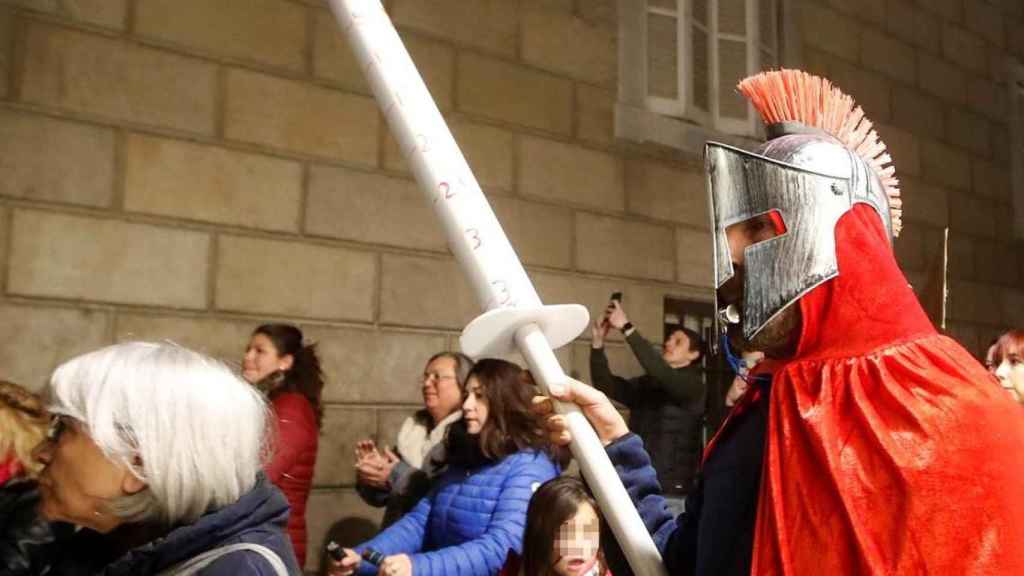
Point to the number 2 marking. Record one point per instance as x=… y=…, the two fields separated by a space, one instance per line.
x=446 y=190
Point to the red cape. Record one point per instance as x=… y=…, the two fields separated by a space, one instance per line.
x=889 y=450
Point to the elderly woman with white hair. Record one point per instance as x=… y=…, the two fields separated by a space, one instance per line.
x=156 y=452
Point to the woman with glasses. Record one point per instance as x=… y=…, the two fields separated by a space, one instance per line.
x=156 y=453
x=397 y=478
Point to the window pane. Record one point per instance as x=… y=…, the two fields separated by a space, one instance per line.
x=732 y=67
x=700 y=11
x=664 y=4
x=701 y=70
x=662 y=68
x=732 y=17
x=768 y=61
x=766 y=20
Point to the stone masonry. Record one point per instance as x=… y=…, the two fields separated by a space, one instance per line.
x=187 y=169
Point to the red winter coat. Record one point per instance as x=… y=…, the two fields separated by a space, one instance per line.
x=291 y=468
x=889 y=448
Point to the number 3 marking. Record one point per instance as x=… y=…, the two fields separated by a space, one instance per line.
x=503 y=295
x=474 y=235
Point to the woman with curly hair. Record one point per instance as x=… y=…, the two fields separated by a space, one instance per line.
x=475 y=511
x=23 y=424
x=288 y=372
x=23 y=533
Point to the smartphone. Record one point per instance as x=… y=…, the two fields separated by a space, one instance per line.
x=616 y=296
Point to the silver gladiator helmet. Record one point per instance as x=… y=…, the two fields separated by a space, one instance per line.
x=807 y=176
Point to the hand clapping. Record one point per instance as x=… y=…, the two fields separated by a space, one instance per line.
x=372 y=467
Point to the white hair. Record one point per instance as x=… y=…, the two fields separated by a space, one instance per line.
x=182 y=422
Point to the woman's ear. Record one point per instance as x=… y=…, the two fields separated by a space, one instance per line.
x=132 y=484
x=286 y=362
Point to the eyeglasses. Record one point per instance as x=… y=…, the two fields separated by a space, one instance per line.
x=58 y=425
x=428 y=376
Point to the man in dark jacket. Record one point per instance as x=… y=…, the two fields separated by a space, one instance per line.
x=666 y=404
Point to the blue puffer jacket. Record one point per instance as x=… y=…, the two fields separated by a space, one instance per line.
x=470 y=519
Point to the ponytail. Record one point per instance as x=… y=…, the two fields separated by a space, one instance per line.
x=305 y=377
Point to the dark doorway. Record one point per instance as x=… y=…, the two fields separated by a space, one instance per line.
x=699 y=317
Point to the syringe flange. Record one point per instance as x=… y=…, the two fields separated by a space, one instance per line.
x=493 y=333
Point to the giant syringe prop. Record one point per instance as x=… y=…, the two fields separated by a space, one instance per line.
x=514 y=316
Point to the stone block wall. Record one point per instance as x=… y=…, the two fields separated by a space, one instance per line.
x=933 y=74
x=187 y=169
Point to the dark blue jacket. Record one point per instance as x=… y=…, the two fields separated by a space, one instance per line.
x=715 y=536
x=258 y=517
x=470 y=519
x=25 y=537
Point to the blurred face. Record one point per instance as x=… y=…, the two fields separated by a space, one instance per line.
x=78 y=479
x=676 y=350
x=475 y=408
x=578 y=542
x=1010 y=372
x=262 y=359
x=441 y=393
x=780 y=336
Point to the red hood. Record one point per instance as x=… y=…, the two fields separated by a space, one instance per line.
x=888 y=448
x=870 y=304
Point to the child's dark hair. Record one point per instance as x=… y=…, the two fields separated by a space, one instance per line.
x=554 y=504
x=305 y=376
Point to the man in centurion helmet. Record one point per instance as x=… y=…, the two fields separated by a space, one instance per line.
x=867 y=443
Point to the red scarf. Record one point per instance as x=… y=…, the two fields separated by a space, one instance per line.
x=10 y=467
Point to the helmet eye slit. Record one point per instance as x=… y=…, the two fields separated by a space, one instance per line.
x=755 y=230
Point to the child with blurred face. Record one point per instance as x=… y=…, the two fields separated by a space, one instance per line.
x=577 y=544
x=563 y=532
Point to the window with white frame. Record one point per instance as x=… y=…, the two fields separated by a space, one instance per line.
x=682 y=59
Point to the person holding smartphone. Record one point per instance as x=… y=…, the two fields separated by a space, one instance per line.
x=666 y=403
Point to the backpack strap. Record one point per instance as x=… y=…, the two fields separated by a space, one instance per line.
x=197 y=563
